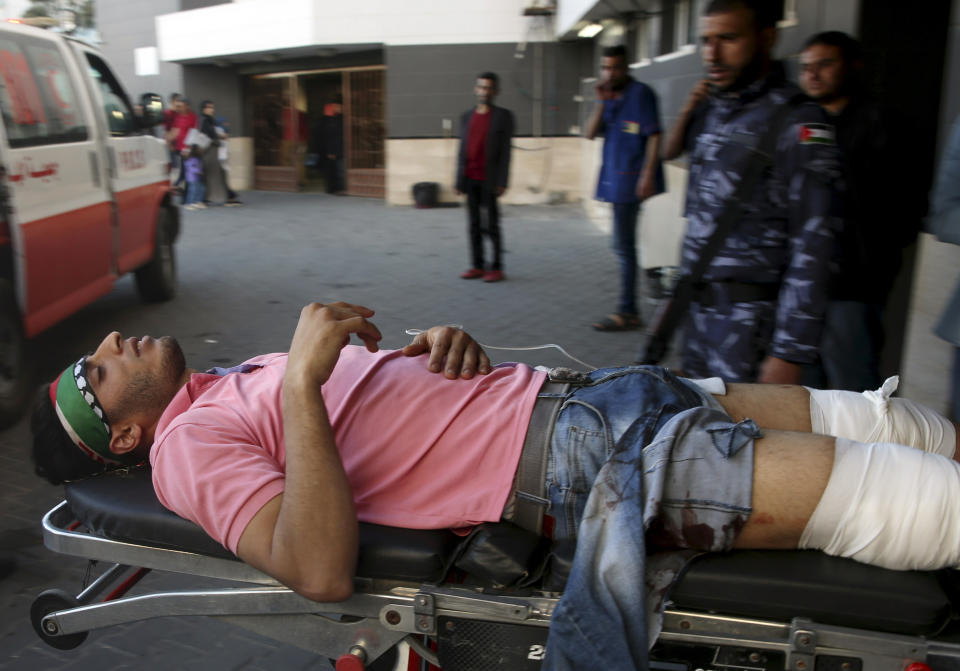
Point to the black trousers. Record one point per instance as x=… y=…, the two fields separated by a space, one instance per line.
x=479 y=195
x=334 y=174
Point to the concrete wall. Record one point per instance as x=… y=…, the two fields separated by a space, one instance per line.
x=127 y=25
x=542 y=170
x=221 y=85
x=240 y=163
x=927 y=358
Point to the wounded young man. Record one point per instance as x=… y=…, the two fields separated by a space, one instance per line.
x=280 y=457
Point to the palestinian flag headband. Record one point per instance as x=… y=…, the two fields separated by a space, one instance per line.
x=80 y=413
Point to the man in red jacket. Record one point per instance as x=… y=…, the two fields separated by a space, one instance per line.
x=483 y=169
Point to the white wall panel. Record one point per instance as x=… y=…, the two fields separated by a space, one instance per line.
x=571 y=11
x=236 y=28
x=249 y=26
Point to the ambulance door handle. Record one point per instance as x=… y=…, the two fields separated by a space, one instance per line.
x=95 y=168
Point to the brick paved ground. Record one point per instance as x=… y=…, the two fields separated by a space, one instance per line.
x=244 y=275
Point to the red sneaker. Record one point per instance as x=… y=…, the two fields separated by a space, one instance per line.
x=473 y=274
x=493 y=276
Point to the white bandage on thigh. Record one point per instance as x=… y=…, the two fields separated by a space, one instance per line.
x=875 y=417
x=890 y=506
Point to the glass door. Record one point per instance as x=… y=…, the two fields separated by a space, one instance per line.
x=277 y=129
x=365 y=132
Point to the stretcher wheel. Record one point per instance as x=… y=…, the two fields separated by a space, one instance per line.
x=48 y=602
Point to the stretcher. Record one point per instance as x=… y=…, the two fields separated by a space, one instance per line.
x=745 y=610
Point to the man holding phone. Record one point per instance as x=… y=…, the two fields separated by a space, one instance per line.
x=627 y=117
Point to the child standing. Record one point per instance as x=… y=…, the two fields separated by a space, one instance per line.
x=193 y=169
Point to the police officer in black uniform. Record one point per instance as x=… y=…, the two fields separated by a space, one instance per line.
x=757 y=316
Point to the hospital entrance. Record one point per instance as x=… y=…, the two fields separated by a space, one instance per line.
x=296 y=126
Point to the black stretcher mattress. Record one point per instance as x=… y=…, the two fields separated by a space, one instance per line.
x=768 y=584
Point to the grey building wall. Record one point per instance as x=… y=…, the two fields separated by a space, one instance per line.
x=429 y=83
x=126 y=25
x=221 y=85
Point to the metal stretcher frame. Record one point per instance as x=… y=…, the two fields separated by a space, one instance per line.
x=381 y=614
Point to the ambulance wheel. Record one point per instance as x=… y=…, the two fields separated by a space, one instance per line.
x=157 y=278
x=16 y=369
x=48 y=602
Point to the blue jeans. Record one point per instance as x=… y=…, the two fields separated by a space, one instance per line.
x=195 y=192
x=625 y=246
x=639 y=461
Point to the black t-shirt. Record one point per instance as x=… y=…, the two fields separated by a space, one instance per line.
x=883 y=204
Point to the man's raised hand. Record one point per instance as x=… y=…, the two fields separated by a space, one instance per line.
x=699 y=93
x=323 y=330
x=452 y=351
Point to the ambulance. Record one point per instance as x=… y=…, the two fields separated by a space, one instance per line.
x=84 y=193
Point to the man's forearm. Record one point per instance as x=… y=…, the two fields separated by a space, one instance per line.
x=647 y=183
x=651 y=157
x=316 y=531
x=595 y=123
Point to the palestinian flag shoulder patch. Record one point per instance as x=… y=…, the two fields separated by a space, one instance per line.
x=817 y=133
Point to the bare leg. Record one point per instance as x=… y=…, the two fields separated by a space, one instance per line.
x=790 y=472
x=880 y=503
x=787 y=408
x=772 y=406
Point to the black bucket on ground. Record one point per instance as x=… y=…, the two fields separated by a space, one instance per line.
x=425 y=194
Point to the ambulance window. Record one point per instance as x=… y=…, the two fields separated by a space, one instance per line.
x=120 y=119
x=37 y=99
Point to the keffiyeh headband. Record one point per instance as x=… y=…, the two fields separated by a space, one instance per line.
x=80 y=413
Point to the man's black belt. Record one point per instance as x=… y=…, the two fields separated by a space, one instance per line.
x=711 y=294
x=530 y=501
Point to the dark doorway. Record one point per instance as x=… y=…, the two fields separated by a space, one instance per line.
x=291 y=126
x=905 y=49
x=322 y=90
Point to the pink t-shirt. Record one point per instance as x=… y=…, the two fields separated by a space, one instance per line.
x=420 y=451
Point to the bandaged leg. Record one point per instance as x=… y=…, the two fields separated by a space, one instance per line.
x=889 y=506
x=875 y=417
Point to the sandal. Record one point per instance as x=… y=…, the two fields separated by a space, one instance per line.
x=618 y=321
